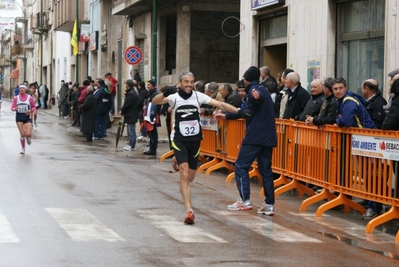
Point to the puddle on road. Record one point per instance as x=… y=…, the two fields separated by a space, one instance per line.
x=355 y=243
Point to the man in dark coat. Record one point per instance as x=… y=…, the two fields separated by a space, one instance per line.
x=313 y=106
x=298 y=97
x=258 y=143
x=374 y=101
x=104 y=105
x=88 y=109
x=229 y=95
x=152 y=118
x=143 y=95
x=130 y=113
x=327 y=114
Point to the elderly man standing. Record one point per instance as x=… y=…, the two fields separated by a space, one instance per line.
x=298 y=97
x=327 y=114
x=211 y=90
x=229 y=95
x=313 y=106
x=374 y=101
x=265 y=76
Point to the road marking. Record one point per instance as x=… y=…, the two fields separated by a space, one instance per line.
x=349 y=228
x=266 y=228
x=7 y=234
x=81 y=225
x=177 y=230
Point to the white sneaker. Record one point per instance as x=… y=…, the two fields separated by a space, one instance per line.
x=128 y=148
x=22 y=151
x=240 y=205
x=28 y=141
x=267 y=209
x=35 y=124
x=140 y=138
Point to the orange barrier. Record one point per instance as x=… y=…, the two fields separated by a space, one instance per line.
x=323 y=157
x=349 y=161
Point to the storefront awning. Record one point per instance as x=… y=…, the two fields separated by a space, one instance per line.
x=14 y=74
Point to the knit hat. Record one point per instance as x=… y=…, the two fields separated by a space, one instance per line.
x=252 y=74
x=393 y=73
x=152 y=82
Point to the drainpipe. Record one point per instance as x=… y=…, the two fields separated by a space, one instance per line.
x=77 y=55
x=154 y=38
x=41 y=42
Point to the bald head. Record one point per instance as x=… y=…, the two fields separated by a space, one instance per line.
x=292 y=80
x=316 y=87
x=369 y=88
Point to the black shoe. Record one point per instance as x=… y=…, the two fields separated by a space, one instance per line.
x=73 y=124
x=87 y=140
x=148 y=152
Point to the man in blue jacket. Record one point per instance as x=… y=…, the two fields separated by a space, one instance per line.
x=258 y=143
x=351 y=109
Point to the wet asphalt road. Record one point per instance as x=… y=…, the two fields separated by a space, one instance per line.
x=69 y=203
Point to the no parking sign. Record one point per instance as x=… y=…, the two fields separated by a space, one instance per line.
x=133 y=55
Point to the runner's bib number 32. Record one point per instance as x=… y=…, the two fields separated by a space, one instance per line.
x=189 y=128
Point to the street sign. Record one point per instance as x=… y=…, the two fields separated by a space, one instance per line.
x=133 y=55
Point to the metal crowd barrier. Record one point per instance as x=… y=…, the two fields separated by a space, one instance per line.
x=351 y=162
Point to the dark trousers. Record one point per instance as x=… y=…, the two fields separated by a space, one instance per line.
x=76 y=117
x=153 y=135
x=100 y=129
x=246 y=156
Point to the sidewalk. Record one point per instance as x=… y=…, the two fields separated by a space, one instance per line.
x=162 y=131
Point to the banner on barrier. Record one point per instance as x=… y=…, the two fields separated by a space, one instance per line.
x=375 y=147
x=208 y=123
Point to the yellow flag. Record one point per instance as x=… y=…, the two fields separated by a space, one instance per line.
x=74 y=39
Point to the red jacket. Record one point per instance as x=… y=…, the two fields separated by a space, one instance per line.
x=113 y=85
x=83 y=95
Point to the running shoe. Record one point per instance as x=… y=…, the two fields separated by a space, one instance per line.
x=189 y=218
x=267 y=209
x=240 y=205
x=35 y=123
x=370 y=214
x=22 y=151
x=28 y=141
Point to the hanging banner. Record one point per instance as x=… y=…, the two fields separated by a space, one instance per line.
x=7 y=23
x=84 y=33
x=7 y=5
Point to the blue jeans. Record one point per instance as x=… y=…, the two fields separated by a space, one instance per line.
x=246 y=156
x=131 y=132
x=100 y=125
